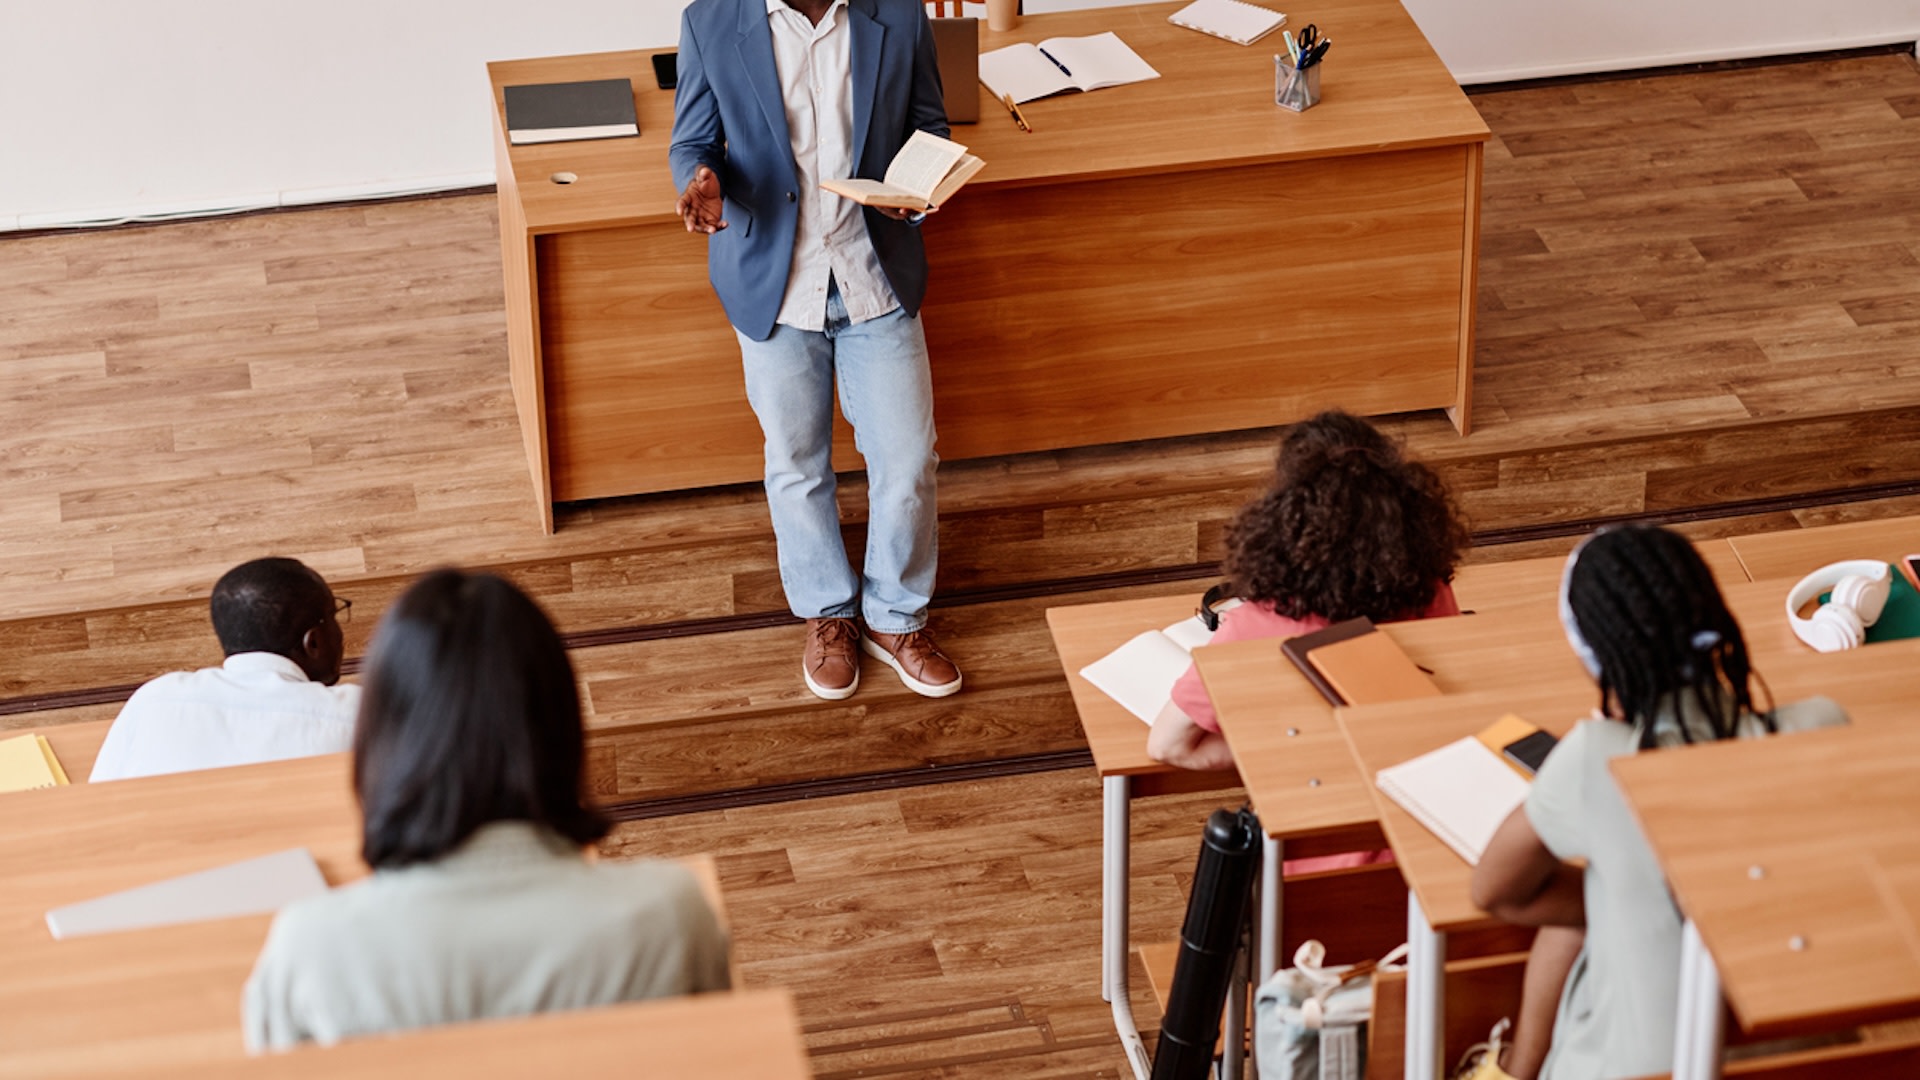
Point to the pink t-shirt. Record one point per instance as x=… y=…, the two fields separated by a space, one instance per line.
x=1249 y=622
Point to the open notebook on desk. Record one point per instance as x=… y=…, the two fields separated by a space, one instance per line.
x=1056 y=65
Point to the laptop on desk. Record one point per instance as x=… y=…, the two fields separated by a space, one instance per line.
x=957 y=44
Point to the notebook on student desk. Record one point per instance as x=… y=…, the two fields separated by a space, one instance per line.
x=956 y=42
x=1461 y=792
x=1353 y=663
x=259 y=886
x=27 y=763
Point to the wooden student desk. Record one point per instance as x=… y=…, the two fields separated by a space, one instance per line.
x=1794 y=861
x=1793 y=554
x=1291 y=753
x=1118 y=740
x=1299 y=767
x=1165 y=258
x=746 y=1035
x=1873 y=684
x=169 y=995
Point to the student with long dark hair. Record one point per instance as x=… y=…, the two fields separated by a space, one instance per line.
x=1348 y=526
x=482 y=902
x=1644 y=615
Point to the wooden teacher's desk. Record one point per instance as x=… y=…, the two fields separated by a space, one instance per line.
x=1164 y=258
x=170 y=995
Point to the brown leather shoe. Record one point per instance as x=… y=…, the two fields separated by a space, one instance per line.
x=831 y=664
x=916 y=659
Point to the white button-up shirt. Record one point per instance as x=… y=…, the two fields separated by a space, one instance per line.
x=256 y=707
x=816 y=82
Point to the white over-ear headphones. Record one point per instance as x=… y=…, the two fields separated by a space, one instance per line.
x=1860 y=589
x=1568 y=623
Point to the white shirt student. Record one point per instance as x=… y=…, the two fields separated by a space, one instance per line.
x=274 y=698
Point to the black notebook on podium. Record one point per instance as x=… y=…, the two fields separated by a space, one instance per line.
x=563 y=112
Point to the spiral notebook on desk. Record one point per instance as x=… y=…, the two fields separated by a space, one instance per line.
x=1229 y=20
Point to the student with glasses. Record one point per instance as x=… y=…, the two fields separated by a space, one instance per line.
x=276 y=696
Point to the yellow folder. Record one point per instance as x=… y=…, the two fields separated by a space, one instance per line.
x=27 y=762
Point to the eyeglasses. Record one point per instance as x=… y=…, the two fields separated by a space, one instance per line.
x=343 y=609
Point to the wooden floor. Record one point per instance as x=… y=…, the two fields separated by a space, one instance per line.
x=1700 y=296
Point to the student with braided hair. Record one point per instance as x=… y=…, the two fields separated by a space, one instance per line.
x=1348 y=526
x=1644 y=615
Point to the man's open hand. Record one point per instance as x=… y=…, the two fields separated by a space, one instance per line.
x=700 y=206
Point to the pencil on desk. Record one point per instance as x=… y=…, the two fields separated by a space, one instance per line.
x=1014 y=111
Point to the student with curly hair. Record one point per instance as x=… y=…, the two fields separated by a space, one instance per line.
x=1647 y=620
x=1347 y=527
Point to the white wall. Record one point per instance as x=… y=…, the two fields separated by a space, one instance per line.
x=119 y=108
x=1500 y=40
x=116 y=108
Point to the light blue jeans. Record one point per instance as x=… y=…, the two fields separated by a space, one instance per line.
x=886 y=393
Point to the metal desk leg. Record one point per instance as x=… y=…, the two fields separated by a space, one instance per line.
x=1698 y=1031
x=1233 y=1063
x=1270 y=911
x=1426 y=994
x=1114 y=859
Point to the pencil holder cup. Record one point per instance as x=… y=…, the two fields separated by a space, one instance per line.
x=1294 y=87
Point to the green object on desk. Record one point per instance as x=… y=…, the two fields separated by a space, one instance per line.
x=1900 y=619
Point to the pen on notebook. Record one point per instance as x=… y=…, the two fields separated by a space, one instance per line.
x=1057 y=63
x=1013 y=110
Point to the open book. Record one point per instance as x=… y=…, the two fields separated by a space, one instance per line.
x=1140 y=674
x=924 y=174
x=1059 y=64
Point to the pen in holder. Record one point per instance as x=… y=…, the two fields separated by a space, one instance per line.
x=1295 y=87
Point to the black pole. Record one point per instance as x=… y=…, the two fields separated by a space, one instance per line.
x=1216 y=915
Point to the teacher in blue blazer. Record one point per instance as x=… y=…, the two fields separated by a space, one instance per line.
x=774 y=97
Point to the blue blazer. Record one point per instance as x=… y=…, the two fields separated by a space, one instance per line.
x=728 y=115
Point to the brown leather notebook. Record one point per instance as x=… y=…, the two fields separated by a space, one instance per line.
x=1371 y=669
x=1297 y=650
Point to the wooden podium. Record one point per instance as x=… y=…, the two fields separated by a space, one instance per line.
x=1166 y=258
